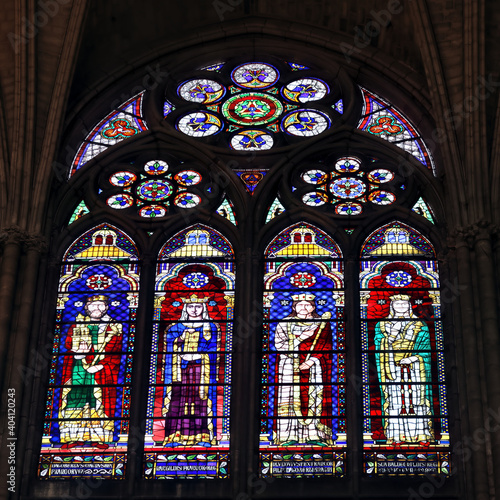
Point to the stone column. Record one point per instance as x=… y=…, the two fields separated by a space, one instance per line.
x=489 y=333
x=12 y=242
x=19 y=279
x=471 y=405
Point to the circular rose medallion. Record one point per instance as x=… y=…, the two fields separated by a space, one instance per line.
x=305 y=90
x=99 y=282
x=155 y=167
x=348 y=208
x=252 y=108
x=315 y=199
x=187 y=200
x=314 y=176
x=347 y=187
x=120 y=201
x=154 y=190
x=303 y=280
x=122 y=179
x=305 y=123
x=152 y=211
x=252 y=140
x=199 y=124
x=202 y=91
x=188 y=178
x=347 y=164
x=380 y=175
x=398 y=278
x=380 y=197
x=255 y=75
x=195 y=280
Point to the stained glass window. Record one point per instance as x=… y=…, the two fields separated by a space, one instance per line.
x=303 y=430
x=79 y=212
x=124 y=122
x=187 y=426
x=405 y=424
x=86 y=423
x=152 y=188
x=351 y=183
x=383 y=120
x=251 y=178
x=253 y=103
x=275 y=209
x=422 y=208
x=226 y=210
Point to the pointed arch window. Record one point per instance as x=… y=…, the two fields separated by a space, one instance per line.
x=184 y=206
x=87 y=416
x=187 y=426
x=303 y=428
x=405 y=423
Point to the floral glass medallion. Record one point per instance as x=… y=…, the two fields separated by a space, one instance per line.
x=252 y=108
x=202 y=91
x=305 y=90
x=255 y=75
x=306 y=123
x=252 y=140
x=348 y=182
x=347 y=187
x=315 y=199
x=187 y=200
x=152 y=187
x=199 y=124
x=156 y=167
x=154 y=190
x=120 y=201
x=122 y=179
x=187 y=178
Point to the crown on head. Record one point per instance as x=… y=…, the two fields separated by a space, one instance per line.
x=194 y=299
x=303 y=296
x=400 y=296
x=97 y=298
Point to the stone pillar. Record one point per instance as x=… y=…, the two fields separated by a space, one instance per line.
x=12 y=242
x=471 y=404
x=489 y=333
x=19 y=279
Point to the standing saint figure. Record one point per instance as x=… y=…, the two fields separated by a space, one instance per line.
x=304 y=398
x=190 y=375
x=403 y=360
x=89 y=377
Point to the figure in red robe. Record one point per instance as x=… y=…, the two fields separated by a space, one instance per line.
x=304 y=399
x=89 y=377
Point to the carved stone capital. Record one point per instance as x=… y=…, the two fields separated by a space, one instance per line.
x=12 y=234
x=471 y=234
x=36 y=242
x=26 y=240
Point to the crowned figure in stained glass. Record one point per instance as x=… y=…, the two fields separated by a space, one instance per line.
x=403 y=359
x=190 y=372
x=304 y=400
x=89 y=377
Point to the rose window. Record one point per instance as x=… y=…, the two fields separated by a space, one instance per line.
x=255 y=106
x=154 y=189
x=349 y=184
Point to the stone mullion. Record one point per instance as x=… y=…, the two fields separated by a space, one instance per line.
x=140 y=375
